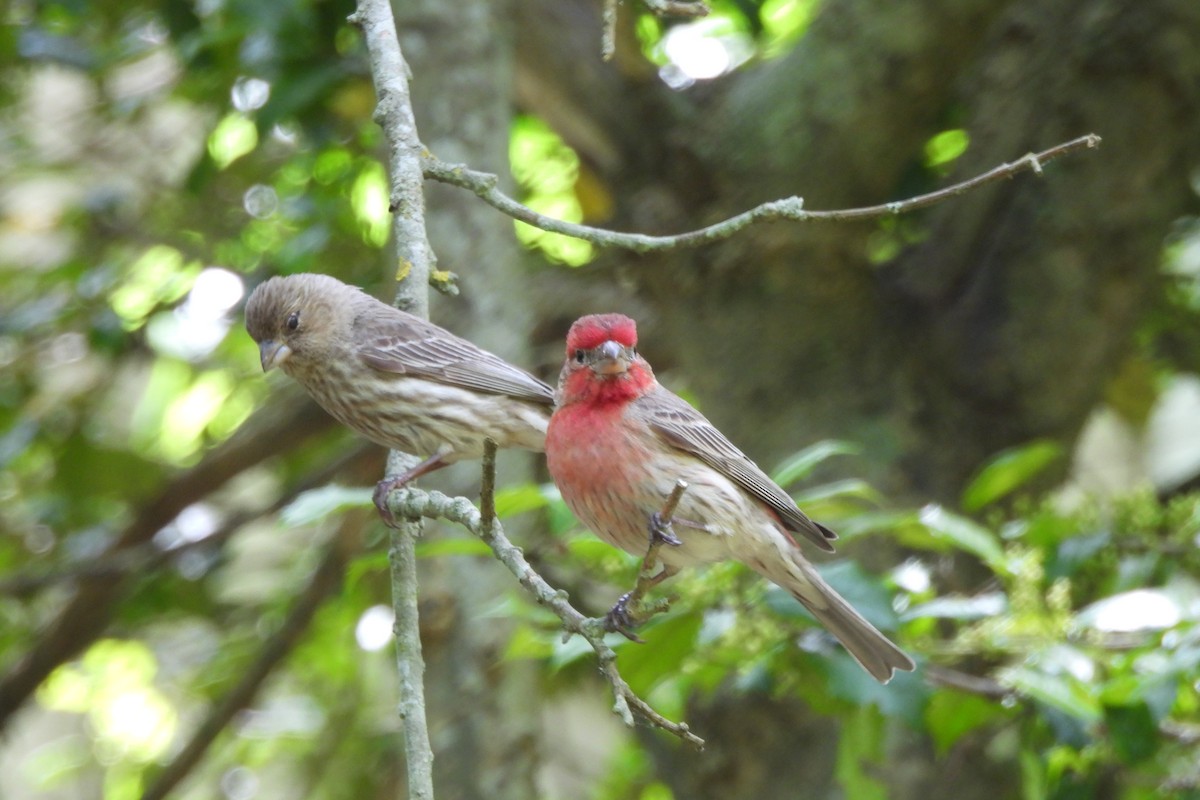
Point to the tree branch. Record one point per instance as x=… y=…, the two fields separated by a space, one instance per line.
x=415 y=261
x=325 y=581
x=414 y=503
x=485 y=186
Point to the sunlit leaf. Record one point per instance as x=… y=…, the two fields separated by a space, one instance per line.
x=803 y=463
x=452 y=546
x=319 y=503
x=980 y=606
x=1008 y=471
x=1057 y=691
x=233 y=137
x=513 y=500
x=965 y=535
x=945 y=147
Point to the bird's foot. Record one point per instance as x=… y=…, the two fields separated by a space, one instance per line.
x=630 y=612
x=390 y=484
x=661 y=531
x=382 y=490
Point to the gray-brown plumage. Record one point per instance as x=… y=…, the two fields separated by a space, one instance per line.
x=397 y=379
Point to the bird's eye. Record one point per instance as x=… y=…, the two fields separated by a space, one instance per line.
x=293 y=321
x=633 y=351
x=580 y=356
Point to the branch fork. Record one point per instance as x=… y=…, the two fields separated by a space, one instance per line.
x=411 y=503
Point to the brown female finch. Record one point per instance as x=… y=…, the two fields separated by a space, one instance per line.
x=400 y=381
x=617 y=444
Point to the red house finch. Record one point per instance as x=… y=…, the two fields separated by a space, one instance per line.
x=618 y=442
x=400 y=381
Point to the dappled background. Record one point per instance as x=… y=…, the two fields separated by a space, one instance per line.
x=996 y=402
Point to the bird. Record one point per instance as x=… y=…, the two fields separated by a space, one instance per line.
x=399 y=380
x=618 y=442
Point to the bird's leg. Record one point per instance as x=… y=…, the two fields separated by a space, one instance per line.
x=629 y=611
x=390 y=484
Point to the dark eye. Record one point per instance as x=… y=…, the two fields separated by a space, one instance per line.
x=580 y=356
x=293 y=320
x=633 y=351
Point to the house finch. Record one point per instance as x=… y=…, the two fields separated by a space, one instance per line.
x=617 y=444
x=397 y=379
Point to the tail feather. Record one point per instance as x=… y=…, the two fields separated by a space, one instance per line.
x=870 y=648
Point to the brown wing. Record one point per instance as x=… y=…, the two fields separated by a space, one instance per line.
x=688 y=429
x=410 y=346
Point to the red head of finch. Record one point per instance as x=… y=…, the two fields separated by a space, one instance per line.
x=619 y=441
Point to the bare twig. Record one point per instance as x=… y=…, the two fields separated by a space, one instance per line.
x=413 y=503
x=608 y=35
x=325 y=581
x=485 y=186
x=415 y=266
x=649 y=575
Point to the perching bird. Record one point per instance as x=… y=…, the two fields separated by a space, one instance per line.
x=618 y=442
x=395 y=378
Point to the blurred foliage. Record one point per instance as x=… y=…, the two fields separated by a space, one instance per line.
x=1073 y=653
x=161 y=158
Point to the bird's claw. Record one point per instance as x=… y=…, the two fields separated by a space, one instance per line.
x=621 y=620
x=382 y=490
x=661 y=533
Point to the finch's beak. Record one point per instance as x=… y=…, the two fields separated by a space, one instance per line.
x=272 y=354
x=613 y=359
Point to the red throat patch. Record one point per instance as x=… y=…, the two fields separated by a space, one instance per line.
x=596 y=329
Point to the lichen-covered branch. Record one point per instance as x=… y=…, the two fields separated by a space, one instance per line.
x=414 y=503
x=415 y=264
x=485 y=185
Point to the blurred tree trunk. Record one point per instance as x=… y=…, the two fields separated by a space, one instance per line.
x=482 y=712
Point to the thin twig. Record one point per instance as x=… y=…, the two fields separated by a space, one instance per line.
x=325 y=581
x=677 y=8
x=411 y=503
x=415 y=264
x=608 y=34
x=648 y=574
x=485 y=185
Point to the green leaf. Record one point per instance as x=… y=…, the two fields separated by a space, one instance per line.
x=1057 y=691
x=1008 y=471
x=946 y=147
x=513 y=500
x=317 y=504
x=668 y=643
x=965 y=535
x=803 y=463
x=1133 y=731
x=951 y=714
x=960 y=608
x=851 y=488
x=860 y=752
x=452 y=546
